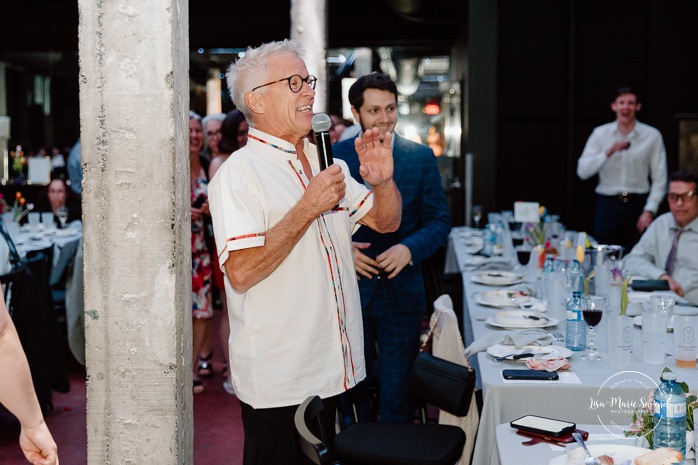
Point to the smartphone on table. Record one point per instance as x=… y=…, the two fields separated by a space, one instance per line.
x=530 y=374
x=543 y=426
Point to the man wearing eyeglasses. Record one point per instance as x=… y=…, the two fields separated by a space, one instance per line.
x=283 y=232
x=669 y=248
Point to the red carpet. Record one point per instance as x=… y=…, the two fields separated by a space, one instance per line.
x=218 y=434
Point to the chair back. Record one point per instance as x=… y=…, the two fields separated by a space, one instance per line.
x=308 y=421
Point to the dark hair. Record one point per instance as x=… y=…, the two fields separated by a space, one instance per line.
x=626 y=90
x=684 y=176
x=229 y=131
x=371 y=81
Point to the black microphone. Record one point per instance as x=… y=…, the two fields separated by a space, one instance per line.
x=321 y=123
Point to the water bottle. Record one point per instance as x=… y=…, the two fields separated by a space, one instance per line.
x=488 y=240
x=498 y=248
x=670 y=415
x=546 y=275
x=576 y=327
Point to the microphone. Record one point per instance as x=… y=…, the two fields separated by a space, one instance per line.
x=321 y=124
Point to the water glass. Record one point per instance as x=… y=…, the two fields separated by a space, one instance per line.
x=34 y=221
x=654 y=326
x=663 y=303
x=477 y=215
x=47 y=220
x=685 y=342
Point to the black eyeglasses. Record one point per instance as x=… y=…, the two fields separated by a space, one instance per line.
x=685 y=197
x=295 y=82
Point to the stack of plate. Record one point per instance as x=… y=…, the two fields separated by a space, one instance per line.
x=497 y=278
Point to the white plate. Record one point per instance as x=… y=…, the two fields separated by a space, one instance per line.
x=66 y=232
x=497 y=278
x=619 y=453
x=502 y=297
x=542 y=352
x=514 y=319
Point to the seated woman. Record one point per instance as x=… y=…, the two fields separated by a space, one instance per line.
x=56 y=195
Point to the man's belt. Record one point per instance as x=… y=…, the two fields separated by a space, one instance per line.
x=625 y=196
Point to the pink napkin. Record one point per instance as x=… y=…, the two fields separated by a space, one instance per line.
x=553 y=364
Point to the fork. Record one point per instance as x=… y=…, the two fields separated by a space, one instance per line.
x=558 y=336
x=590 y=460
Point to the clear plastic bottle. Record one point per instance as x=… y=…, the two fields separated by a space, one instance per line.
x=576 y=338
x=546 y=275
x=488 y=239
x=670 y=415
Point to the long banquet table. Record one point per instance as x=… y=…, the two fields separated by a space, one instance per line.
x=576 y=397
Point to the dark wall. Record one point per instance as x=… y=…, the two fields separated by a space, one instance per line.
x=559 y=63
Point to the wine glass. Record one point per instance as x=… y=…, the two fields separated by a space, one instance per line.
x=592 y=316
x=477 y=215
x=62 y=214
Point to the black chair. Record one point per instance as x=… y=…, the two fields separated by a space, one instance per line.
x=377 y=443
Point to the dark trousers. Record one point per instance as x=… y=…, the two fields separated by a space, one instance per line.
x=616 y=219
x=270 y=433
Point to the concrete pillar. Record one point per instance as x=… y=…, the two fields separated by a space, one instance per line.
x=134 y=127
x=309 y=27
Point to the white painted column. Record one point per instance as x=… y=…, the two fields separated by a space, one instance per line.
x=309 y=27
x=134 y=128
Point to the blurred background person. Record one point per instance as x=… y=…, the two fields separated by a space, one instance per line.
x=74 y=168
x=233 y=132
x=18 y=395
x=630 y=160
x=233 y=137
x=202 y=310
x=212 y=135
x=669 y=248
x=57 y=194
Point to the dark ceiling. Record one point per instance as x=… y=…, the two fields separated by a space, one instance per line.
x=410 y=26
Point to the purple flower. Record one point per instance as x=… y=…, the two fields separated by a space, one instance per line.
x=617 y=274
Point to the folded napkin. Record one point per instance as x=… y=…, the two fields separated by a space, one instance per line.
x=518 y=339
x=551 y=364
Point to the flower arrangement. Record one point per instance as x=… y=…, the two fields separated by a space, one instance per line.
x=538 y=231
x=18 y=159
x=617 y=275
x=4 y=207
x=21 y=208
x=643 y=420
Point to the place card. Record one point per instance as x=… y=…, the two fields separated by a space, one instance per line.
x=526 y=212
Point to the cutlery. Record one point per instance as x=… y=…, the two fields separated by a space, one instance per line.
x=590 y=460
x=534 y=317
x=558 y=336
x=516 y=301
x=514 y=356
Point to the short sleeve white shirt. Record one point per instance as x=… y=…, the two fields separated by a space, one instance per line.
x=299 y=331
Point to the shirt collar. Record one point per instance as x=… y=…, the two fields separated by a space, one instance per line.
x=279 y=146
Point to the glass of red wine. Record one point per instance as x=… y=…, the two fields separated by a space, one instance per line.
x=592 y=316
x=523 y=254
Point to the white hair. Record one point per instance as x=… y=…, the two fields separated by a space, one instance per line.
x=244 y=74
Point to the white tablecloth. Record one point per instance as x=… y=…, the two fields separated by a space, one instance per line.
x=506 y=401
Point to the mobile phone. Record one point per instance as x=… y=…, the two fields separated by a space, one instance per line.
x=200 y=200
x=530 y=374
x=543 y=426
x=648 y=285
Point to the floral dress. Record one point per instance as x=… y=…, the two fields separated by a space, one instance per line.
x=201 y=269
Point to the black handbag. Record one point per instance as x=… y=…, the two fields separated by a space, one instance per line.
x=447 y=385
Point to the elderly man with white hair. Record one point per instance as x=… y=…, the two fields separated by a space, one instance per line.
x=283 y=233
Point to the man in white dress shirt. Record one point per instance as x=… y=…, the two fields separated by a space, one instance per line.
x=630 y=160
x=669 y=248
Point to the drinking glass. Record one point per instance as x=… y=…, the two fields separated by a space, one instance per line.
x=592 y=315
x=523 y=253
x=62 y=214
x=477 y=215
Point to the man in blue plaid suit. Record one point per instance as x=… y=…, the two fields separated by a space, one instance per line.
x=388 y=266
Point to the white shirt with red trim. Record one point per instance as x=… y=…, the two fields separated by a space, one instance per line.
x=299 y=331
